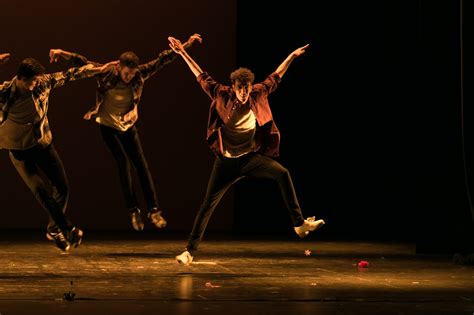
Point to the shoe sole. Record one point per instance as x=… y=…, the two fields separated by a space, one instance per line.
x=75 y=245
x=138 y=228
x=159 y=226
x=317 y=227
x=182 y=262
x=62 y=251
x=137 y=224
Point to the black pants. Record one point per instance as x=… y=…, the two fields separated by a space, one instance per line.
x=126 y=146
x=51 y=190
x=226 y=172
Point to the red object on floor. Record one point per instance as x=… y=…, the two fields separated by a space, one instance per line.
x=363 y=264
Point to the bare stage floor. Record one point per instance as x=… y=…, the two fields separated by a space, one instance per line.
x=127 y=273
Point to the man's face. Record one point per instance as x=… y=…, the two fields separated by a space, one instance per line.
x=242 y=91
x=127 y=74
x=28 y=84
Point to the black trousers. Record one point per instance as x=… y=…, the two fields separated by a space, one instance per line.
x=226 y=172
x=52 y=189
x=126 y=147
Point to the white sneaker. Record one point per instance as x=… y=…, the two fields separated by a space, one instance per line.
x=185 y=258
x=309 y=225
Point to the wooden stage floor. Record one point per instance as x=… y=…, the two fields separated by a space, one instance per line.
x=126 y=273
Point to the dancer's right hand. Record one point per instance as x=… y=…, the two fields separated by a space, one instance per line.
x=4 y=58
x=54 y=55
x=88 y=116
x=176 y=45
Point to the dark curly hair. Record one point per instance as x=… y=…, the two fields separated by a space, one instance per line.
x=242 y=75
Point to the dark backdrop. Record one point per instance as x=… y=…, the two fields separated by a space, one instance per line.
x=173 y=111
x=370 y=116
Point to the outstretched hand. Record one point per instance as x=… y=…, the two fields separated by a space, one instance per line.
x=176 y=45
x=298 y=52
x=195 y=37
x=4 y=58
x=88 y=116
x=54 y=55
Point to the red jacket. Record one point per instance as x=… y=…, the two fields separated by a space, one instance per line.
x=267 y=135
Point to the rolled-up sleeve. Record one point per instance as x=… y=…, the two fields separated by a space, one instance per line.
x=208 y=84
x=271 y=83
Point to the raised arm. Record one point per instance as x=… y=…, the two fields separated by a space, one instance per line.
x=165 y=57
x=191 y=40
x=286 y=63
x=76 y=59
x=4 y=58
x=179 y=48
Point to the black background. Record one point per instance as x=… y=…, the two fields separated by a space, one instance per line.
x=370 y=116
